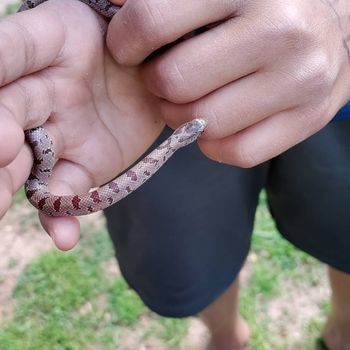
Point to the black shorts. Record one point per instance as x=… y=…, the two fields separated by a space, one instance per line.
x=181 y=239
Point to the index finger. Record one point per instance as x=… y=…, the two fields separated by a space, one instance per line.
x=29 y=42
x=143 y=26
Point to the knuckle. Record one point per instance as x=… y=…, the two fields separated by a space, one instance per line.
x=292 y=27
x=29 y=44
x=312 y=118
x=296 y=36
x=38 y=94
x=4 y=47
x=315 y=75
x=305 y=121
x=245 y=159
x=10 y=35
x=146 y=19
x=170 y=81
x=241 y=154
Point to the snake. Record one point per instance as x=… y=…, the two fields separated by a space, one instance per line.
x=37 y=184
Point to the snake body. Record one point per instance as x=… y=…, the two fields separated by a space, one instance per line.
x=37 y=185
x=103 y=7
x=38 y=193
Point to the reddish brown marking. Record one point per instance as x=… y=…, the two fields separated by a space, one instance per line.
x=149 y=160
x=95 y=197
x=38 y=161
x=41 y=203
x=114 y=187
x=57 y=204
x=30 y=193
x=76 y=201
x=132 y=175
x=167 y=143
x=129 y=190
x=32 y=177
x=49 y=150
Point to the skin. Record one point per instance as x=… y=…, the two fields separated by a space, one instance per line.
x=310 y=74
x=79 y=94
x=56 y=62
x=265 y=75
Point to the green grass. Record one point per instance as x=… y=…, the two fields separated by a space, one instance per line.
x=57 y=282
x=126 y=307
x=274 y=262
x=48 y=296
x=12 y=8
x=172 y=331
x=20 y=196
x=68 y=300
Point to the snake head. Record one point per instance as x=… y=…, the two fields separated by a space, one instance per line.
x=190 y=131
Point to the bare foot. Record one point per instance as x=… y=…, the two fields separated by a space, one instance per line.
x=238 y=339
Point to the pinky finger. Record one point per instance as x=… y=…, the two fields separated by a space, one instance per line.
x=266 y=139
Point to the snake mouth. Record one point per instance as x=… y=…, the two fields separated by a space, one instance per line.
x=190 y=131
x=196 y=126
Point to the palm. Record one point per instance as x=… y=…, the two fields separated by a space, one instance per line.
x=99 y=114
x=104 y=117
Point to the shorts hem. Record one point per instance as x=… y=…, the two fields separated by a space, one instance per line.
x=320 y=256
x=190 y=309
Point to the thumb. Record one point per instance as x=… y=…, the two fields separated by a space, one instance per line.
x=67 y=178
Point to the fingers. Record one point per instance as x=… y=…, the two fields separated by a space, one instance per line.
x=30 y=100
x=65 y=231
x=206 y=62
x=11 y=139
x=67 y=178
x=29 y=41
x=142 y=26
x=238 y=105
x=26 y=103
x=118 y=2
x=266 y=139
x=13 y=176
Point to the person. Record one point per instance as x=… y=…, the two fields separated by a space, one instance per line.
x=266 y=75
x=282 y=67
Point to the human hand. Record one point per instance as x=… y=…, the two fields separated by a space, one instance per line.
x=265 y=75
x=56 y=72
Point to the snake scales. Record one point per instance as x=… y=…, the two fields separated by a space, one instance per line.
x=36 y=186
x=103 y=7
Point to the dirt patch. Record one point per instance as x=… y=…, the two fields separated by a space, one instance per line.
x=21 y=241
x=197 y=336
x=291 y=313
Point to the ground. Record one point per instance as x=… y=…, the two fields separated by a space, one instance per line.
x=78 y=300
x=50 y=297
